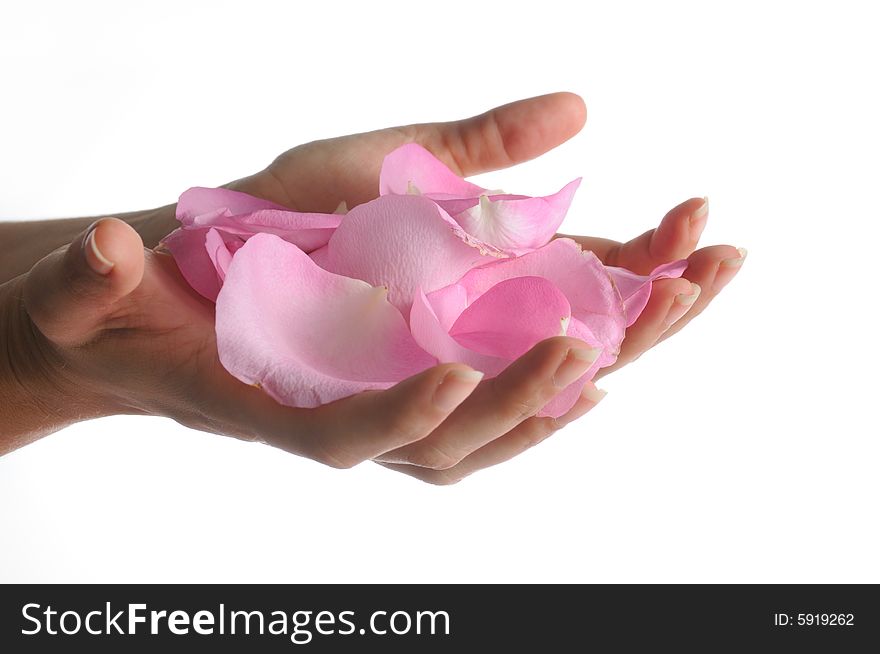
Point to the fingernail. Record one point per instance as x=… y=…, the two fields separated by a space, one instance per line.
x=681 y=304
x=455 y=387
x=96 y=260
x=736 y=262
x=698 y=219
x=577 y=361
x=593 y=394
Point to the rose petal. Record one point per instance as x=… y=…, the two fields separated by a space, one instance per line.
x=448 y=303
x=501 y=325
x=305 y=335
x=512 y=317
x=404 y=242
x=187 y=246
x=513 y=223
x=236 y=217
x=199 y=201
x=307 y=231
x=578 y=274
x=435 y=339
x=218 y=252
x=411 y=168
x=636 y=289
x=319 y=256
x=243 y=215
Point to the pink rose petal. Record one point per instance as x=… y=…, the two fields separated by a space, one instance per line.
x=187 y=246
x=218 y=252
x=636 y=289
x=512 y=317
x=411 y=168
x=578 y=274
x=499 y=326
x=235 y=217
x=243 y=215
x=514 y=223
x=404 y=242
x=435 y=338
x=200 y=201
x=305 y=335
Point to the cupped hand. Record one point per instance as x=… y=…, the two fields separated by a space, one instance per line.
x=318 y=176
x=117 y=330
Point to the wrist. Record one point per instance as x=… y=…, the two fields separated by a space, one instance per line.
x=39 y=392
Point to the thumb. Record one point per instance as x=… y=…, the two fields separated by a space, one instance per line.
x=71 y=293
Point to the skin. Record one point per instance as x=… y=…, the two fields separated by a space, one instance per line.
x=97 y=322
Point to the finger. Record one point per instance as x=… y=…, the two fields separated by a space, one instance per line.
x=500 y=404
x=670 y=300
x=675 y=238
x=521 y=438
x=712 y=268
x=70 y=292
x=351 y=430
x=506 y=135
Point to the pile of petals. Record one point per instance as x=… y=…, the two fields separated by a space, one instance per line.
x=313 y=307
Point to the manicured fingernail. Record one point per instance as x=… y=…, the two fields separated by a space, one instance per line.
x=96 y=260
x=736 y=262
x=593 y=394
x=577 y=361
x=698 y=219
x=681 y=304
x=455 y=387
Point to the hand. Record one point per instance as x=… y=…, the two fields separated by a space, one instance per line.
x=318 y=176
x=133 y=338
x=113 y=328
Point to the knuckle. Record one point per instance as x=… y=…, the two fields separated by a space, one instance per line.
x=523 y=408
x=433 y=457
x=540 y=429
x=335 y=458
x=442 y=478
x=404 y=427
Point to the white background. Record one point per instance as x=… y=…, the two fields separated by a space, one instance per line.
x=745 y=449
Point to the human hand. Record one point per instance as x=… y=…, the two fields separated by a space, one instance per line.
x=113 y=328
x=134 y=338
x=318 y=176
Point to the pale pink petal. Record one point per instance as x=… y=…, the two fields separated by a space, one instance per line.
x=235 y=217
x=435 y=339
x=448 y=303
x=307 y=231
x=578 y=274
x=244 y=215
x=218 y=252
x=512 y=317
x=319 y=256
x=187 y=246
x=501 y=325
x=636 y=289
x=412 y=169
x=305 y=335
x=513 y=223
x=404 y=242
x=199 y=201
